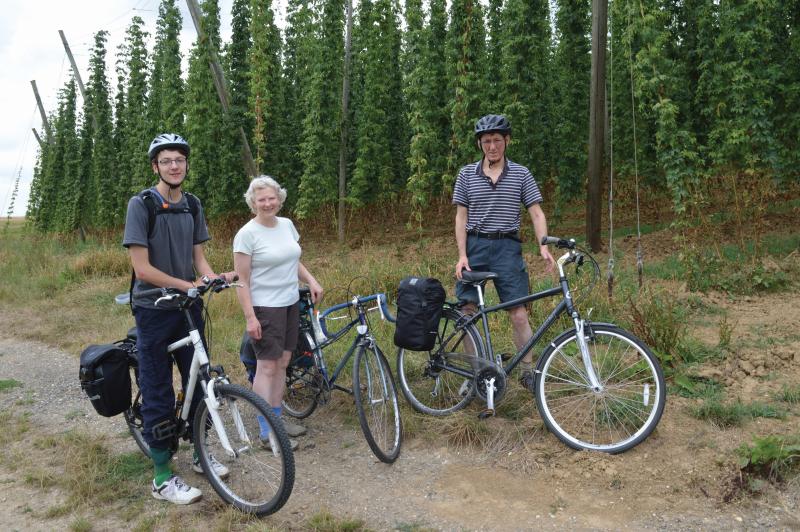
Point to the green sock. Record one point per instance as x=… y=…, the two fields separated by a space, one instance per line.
x=161 y=458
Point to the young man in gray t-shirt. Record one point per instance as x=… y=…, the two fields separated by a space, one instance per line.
x=168 y=254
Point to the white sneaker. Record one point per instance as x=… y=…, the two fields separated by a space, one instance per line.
x=219 y=469
x=176 y=491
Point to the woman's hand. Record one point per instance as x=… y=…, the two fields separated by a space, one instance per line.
x=316 y=291
x=253 y=328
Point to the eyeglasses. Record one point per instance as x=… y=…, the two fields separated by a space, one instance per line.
x=180 y=161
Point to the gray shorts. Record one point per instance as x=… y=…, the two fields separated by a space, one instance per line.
x=503 y=257
x=279 y=327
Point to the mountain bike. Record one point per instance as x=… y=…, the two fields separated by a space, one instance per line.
x=226 y=423
x=597 y=386
x=309 y=382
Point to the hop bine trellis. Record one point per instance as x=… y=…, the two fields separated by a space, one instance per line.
x=639 y=252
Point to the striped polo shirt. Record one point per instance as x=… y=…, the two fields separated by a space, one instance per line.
x=495 y=206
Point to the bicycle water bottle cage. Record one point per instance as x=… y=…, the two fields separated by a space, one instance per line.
x=476 y=278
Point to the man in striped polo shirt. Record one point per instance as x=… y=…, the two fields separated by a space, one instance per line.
x=487 y=196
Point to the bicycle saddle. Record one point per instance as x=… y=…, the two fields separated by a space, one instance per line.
x=474 y=277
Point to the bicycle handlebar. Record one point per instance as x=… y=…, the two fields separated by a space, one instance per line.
x=382 y=307
x=216 y=285
x=561 y=243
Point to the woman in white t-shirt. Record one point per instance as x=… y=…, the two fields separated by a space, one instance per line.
x=266 y=256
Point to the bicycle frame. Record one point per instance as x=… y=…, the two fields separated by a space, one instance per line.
x=565 y=305
x=363 y=335
x=199 y=371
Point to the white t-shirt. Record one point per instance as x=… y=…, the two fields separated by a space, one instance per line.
x=275 y=256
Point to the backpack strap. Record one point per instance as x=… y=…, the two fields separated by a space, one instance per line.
x=154 y=208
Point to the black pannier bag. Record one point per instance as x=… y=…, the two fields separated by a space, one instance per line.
x=419 y=309
x=106 y=378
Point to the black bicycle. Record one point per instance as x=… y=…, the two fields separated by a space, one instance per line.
x=596 y=385
x=310 y=383
x=226 y=424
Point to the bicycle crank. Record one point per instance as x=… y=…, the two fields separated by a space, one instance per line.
x=490 y=385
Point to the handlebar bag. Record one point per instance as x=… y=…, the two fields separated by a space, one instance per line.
x=419 y=309
x=106 y=379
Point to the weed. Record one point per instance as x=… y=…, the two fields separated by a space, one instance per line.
x=725 y=330
x=8 y=384
x=659 y=320
x=771 y=457
x=696 y=387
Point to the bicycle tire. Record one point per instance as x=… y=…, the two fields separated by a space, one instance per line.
x=426 y=383
x=133 y=415
x=617 y=418
x=376 y=403
x=259 y=480
x=302 y=389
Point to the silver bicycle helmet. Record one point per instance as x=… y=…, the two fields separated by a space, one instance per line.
x=167 y=141
x=492 y=124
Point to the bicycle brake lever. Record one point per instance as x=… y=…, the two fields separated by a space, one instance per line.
x=168 y=297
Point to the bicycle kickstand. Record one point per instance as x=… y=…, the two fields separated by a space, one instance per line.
x=490 y=389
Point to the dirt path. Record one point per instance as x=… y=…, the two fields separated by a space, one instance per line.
x=524 y=478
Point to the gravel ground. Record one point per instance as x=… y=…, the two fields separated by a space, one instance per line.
x=541 y=485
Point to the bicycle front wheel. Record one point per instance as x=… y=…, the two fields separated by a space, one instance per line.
x=260 y=471
x=376 y=403
x=439 y=382
x=626 y=407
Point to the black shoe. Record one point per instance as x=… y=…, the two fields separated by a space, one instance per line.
x=526 y=380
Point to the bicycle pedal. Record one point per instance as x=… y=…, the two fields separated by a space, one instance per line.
x=489 y=412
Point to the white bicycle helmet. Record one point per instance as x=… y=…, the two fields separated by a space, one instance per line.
x=167 y=141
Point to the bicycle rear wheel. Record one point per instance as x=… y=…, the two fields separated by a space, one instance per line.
x=376 y=403
x=260 y=478
x=133 y=415
x=439 y=382
x=615 y=418
x=302 y=387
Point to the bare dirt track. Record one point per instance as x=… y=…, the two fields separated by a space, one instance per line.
x=684 y=477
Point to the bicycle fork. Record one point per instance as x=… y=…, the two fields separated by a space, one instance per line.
x=594 y=382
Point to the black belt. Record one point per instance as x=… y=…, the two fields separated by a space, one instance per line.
x=496 y=235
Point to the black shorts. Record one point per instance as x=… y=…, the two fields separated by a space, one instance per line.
x=279 y=327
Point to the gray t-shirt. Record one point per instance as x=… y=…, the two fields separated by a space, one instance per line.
x=170 y=248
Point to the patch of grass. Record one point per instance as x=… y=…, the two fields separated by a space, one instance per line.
x=325 y=522
x=413 y=527
x=59 y=510
x=463 y=430
x=725 y=415
x=790 y=394
x=81 y=524
x=13 y=427
x=74 y=414
x=8 y=384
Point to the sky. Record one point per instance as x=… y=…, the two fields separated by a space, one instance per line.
x=31 y=49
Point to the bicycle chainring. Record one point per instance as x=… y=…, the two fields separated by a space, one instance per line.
x=485 y=374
